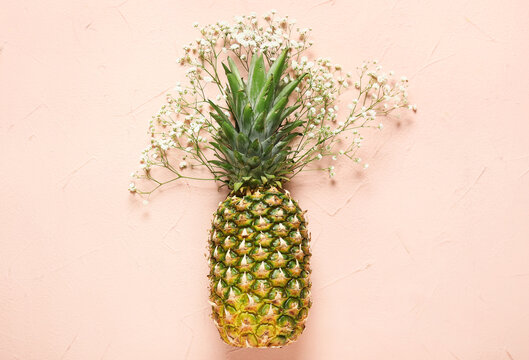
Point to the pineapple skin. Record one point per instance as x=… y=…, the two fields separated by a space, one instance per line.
x=259 y=268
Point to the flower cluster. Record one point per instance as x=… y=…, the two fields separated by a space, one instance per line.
x=180 y=132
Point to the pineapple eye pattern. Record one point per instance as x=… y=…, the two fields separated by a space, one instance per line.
x=263 y=301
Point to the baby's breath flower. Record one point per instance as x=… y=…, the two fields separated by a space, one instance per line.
x=132 y=187
x=183 y=125
x=332 y=173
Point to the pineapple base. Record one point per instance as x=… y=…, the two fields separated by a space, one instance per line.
x=259 y=260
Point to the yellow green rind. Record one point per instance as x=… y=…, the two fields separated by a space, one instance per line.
x=259 y=259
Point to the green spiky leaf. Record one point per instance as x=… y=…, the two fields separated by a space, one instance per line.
x=256 y=78
x=235 y=71
x=237 y=186
x=278 y=67
x=254 y=150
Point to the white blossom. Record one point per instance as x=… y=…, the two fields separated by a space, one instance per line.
x=183 y=125
x=132 y=187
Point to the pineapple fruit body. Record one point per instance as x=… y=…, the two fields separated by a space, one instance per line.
x=259 y=259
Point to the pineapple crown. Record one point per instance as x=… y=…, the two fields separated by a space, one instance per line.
x=253 y=150
x=259 y=137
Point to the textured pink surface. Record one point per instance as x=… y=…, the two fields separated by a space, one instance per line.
x=424 y=256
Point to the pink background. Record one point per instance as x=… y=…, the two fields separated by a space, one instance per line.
x=423 y=256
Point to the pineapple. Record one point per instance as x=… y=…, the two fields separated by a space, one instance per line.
x=256 y=141
x=260 y=286
x=259 y=243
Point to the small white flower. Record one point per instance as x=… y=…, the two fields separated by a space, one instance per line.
x=132 y=187
x=179 y=126
x=145 y=202
x=366 y=166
